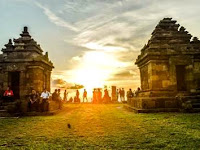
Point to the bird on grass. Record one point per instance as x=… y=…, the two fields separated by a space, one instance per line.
x=68 y=125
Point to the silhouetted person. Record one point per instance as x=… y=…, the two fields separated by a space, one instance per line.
x=117 y=93
x=77 y=96
x=85 y=95
x=65 y=95
x=99 y=96
x=94 y=96
x=129 y=94
x=137 y=91
x=8 y=95
x=70 y=100
x=106 y=97
x=59 y=99
x=122 y=96
x=55 y=95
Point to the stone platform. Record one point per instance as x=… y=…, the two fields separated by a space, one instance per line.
x=154 y=104
x=165 y=104
x=19 y=108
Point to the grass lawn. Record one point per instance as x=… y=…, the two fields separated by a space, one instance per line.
x=101 y=127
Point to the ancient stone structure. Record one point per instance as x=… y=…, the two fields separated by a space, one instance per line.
x=24 y=67
x=169 y=66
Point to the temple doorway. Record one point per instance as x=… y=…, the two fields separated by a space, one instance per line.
x=14 y=80
x=180 y=78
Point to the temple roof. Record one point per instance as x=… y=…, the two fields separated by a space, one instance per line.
x=169 y=38
x=24 y=49
x=23 y=43
x=168 y=31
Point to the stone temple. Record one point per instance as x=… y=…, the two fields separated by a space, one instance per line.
x=169 y=66
x=23 y=66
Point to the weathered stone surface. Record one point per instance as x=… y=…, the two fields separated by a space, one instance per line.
x=169 y=64
x=23 y=62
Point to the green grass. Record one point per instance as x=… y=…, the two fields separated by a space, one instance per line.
x=101 y=127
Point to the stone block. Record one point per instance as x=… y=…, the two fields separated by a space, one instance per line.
x=165 y=83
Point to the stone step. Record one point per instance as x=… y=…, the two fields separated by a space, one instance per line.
x=196 y=105
x=194 y=98
x=2 y=107
x=195 y=101
x=196 y=110
x=3 y=110
x=5 y=114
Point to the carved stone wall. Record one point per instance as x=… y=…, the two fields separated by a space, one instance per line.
x=25 y=58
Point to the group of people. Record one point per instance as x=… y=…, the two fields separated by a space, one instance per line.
x=37 y=101
x=56 y=96
x=121 y=94
x=131 y=94
x=77 y=98
x=40 y=102
x=97 y=96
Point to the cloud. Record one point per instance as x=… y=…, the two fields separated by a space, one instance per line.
x=119 y=30
x=60 y=83
x=55 y=19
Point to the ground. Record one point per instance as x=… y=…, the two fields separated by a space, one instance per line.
x=99 y=126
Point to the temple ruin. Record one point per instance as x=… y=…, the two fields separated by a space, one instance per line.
x=23 y=66
x=169 y=66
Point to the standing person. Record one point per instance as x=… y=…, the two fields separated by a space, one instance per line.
x=65 y=96
x=117 y=92
x=59 y=99
x=106 y=97
x=45 y=97
x=122 y=95
x=85 y=95
x=99 y=96
x=94 y=96
x=55 y=95
x=8 y=95
x=77 y=96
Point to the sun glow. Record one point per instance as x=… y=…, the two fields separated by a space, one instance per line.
x=94 y=69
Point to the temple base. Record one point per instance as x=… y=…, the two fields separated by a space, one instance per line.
x=154 y=104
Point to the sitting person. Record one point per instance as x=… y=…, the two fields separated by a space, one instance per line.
x=70 y=100
x=129 y=94
x=45 y=97
x=8 y=95
x=33 y=103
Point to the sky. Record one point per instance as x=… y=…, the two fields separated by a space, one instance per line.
x=94 y=42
